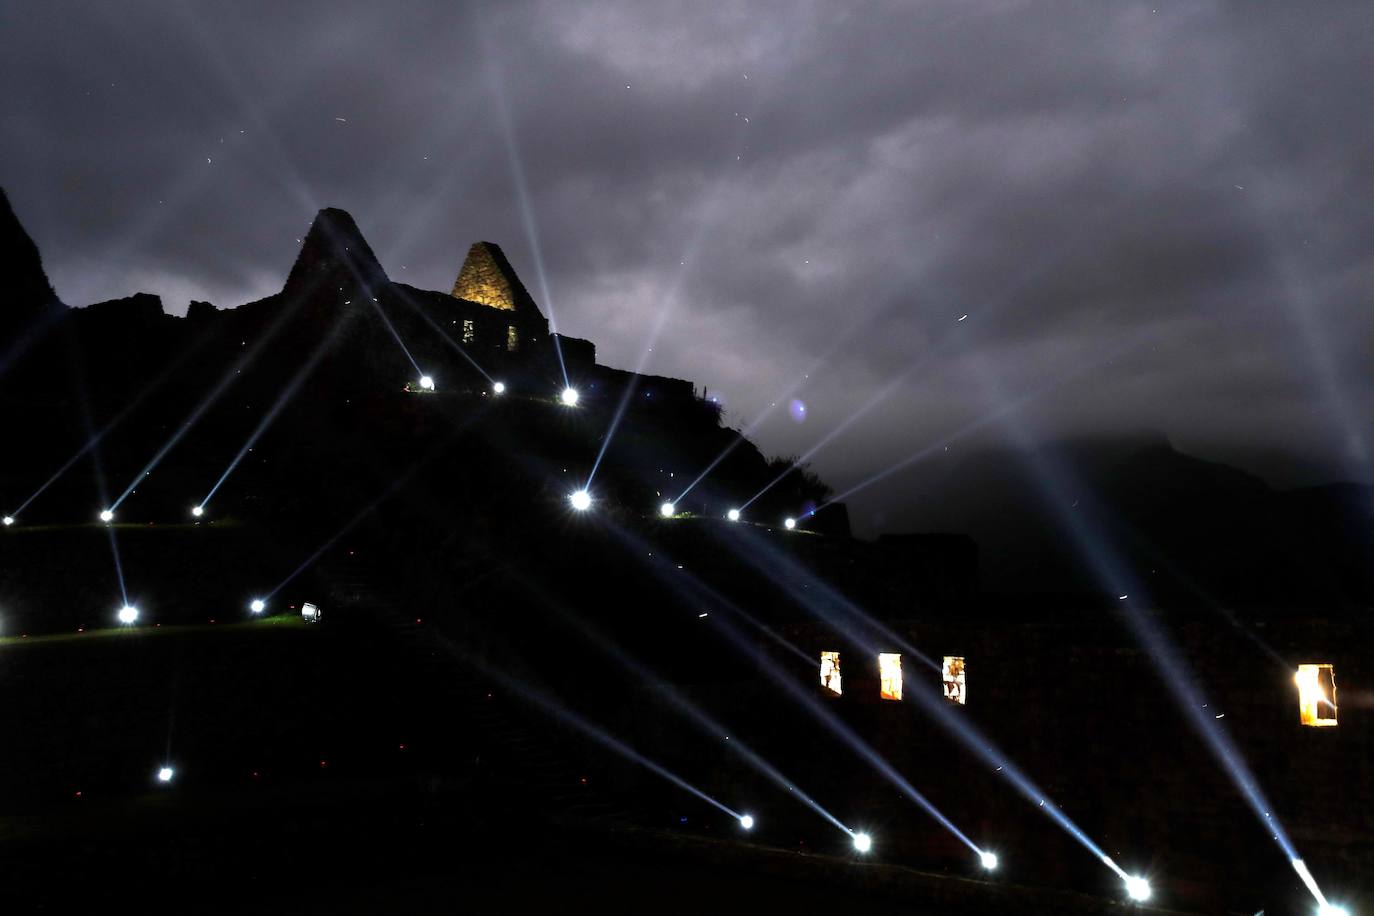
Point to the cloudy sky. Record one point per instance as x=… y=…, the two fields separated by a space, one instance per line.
x=1151 y=215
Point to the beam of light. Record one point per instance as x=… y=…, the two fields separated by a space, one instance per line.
x=102 y=488
x=545 y=701
x=1115 y=577
x=444 y=336
x=832 y=608
x=93 y=438
x=517 y=170
x=801 y=695
x=367 y=291
x=209 y=400
x=704 y=720
x=283 y=398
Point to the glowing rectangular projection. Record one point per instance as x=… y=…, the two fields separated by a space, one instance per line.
x=954 y=679
x=890 y=675
x=1317 y=694
x=830 y=672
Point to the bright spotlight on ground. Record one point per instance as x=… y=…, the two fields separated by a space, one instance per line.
x=733 y=515
x=197 y=511
x=9 y=520
x=747 y=822
x=863 y=842
x=581 y=500
x=106 y=515
x=667 y=510
x=426 y=383
x=498 y=388
x=128 y=614
x=1138 y=889
x=569 y=397
x=989 y=860
x=789 y=523
x=257 y=606
x=165 y=774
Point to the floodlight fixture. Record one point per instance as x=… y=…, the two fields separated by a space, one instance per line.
x=667 y=510
x=989 y=860
x=747 y=821
x=197 y=511
x=257 y=606
x=165 y=774
x=863 y=842
x=8 y=520
x=427 y=383
x=498 y=388
x=581 y=500
x=106 y=515
x=733 y=515
x=569 y=397
x=789 y=523
x=1137 y=888
x=128 y=614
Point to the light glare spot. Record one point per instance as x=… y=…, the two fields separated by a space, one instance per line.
x=426 y=383
x=258 y=606
x=165 y=774
x=106 y=515
x=569 y=397
x=581 y=500
x=863 y=842
x=733 y=515
x=498 y=388
x=128 y=614
x=197 y=511
x=789 y=523
x=747 y=822
x=1137 y=888
x=989 y=860
x=667 y=510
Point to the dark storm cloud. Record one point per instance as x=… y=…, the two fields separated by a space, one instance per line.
x=1172 y=199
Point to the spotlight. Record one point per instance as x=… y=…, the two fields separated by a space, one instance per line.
x=1330 y=909
x=9 y=520
x=128 y=614
x=106 y=515
x=733 y=515
x=498 y=388
x=747 y=822
x=197 y=511
x=667 y=510
x=789 y=523
x=989 y=860
x=569 y=397
x=257 y=606
x=863 y=842
x=1137 y=888
x=426 y=383
x=581 y=500
x=165 y=774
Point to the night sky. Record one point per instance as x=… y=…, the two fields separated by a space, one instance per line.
x=1153 y=216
